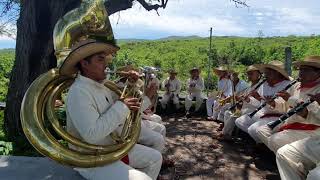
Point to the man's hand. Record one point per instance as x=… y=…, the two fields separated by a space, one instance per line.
x=132 y=103
x=315 y=97
x=256 y=95
x=284 y=94
x=270 y=101
x=133 y=76
x=304 y=113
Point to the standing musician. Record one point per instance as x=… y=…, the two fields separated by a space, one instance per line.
x=243 y=103
x=277 y=80
x=300 y=159
x=224 y=91
x=172 y=86
x=94 y=112
x=304 y=123
x=195 y=86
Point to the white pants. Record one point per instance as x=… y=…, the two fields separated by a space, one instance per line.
x=229 y=123
x=151 y=138
x=157 y=127
x=153 y=117
x=244 y=122
x=252 y=130
x=167 y=97
x=314 y=174
x=188 y=101
x=209 y=104
x=296 y=159
x=223 y=109
x=147 y=160
x=275 y=140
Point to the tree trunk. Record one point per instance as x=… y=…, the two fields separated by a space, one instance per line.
x=34 y=50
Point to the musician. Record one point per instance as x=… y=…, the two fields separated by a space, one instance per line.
x=277 y=79
x=172 y=86
x=239 y=87
x=224 y=91
x=305 y=123
x=195 y=86
x=254 y=76
x=94 y=111
x=153 y=80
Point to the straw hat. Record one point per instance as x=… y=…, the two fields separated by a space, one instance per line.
x=275 y=65
x=313 y=61
x=82 y=50
x=195 y=69
x=127 y=68
x=252 y=68
x=220 y=69
x=172 y=71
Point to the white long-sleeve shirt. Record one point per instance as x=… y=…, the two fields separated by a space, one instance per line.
x=199 y=85
x=225 y=86
x=174 y=85
x=93 y=111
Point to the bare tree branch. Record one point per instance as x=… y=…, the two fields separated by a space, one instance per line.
x=149 y=6
x=240 y=2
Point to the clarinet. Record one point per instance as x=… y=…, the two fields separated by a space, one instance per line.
x=238 y=103
x=272 y=98
x=290 y=113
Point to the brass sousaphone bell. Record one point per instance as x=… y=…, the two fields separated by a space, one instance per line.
x=38 y=118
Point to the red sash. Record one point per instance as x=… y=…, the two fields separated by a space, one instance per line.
x=299 y=126
x=125 y=159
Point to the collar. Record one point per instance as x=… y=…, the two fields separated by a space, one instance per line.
x=88 y=81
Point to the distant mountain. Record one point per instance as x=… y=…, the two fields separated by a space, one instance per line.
x=180 y=38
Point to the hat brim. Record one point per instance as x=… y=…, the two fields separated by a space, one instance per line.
x=69 y=65
x=262 y=68
x=305 y=63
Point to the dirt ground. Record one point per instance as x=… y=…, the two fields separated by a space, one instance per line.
x=198 y=154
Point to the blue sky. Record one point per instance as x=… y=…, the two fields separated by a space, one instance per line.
x=190 y=17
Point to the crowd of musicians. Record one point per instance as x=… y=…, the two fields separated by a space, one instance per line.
x=94 y=112
x=273 y=108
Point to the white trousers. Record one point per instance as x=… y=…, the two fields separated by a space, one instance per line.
x=210 y=104
x=188 y=101
x=229 y=123
x=314 y=174
x=252 y=130
x=153 y=117
x=295 y=160
x=275 y=140
x=157 y=127
x=223 y=109
x=147 y=160
x=244 y=122
x=151 y=138
x=167 y=97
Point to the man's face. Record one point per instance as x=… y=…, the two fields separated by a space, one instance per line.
x=172 y=75
x=253 y=76
x=194 y=73
x=271 y=75
x=95 y=66
x=308 y=74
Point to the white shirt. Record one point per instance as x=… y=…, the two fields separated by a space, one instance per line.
x=241 y=87
x=93 y=111
x=174 y=85
x=225 y=86
x=199 y=85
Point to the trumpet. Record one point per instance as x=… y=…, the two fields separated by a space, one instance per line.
x=272 y=98
x=290 y=113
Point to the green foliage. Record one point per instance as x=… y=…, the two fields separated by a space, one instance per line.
x=6 y=63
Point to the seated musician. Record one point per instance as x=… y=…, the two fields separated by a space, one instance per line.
x=239 y=87
x=298 y=160
x=151 y=123
x=172 y=86
x=94 y=111
x=195 y=86
x=277 y=79
x=306 y=122
x=152 y=80
x=224 y=91
x=243 y=103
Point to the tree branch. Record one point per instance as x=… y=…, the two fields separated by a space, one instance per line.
x=149 y=6
x=240 y=2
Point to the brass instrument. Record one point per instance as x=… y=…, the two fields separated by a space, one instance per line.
x=37 y=114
